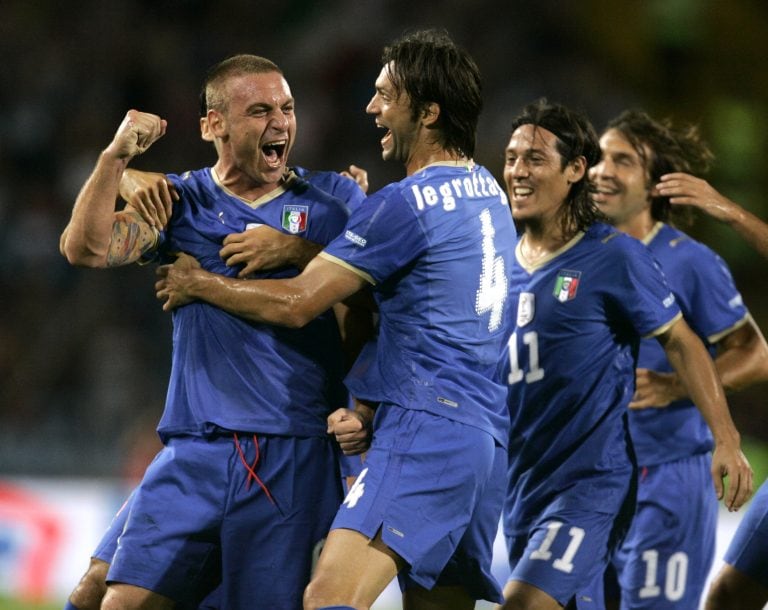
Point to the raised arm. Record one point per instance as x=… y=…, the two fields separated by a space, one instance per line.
x=692 y=363
x=684 y=189
x=97 y=235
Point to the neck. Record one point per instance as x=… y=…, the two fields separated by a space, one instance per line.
x=240 y=184
x=432 y=153
x=638 y=227
x=542 y=238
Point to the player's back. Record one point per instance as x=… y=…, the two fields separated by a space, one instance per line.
x=438 y=245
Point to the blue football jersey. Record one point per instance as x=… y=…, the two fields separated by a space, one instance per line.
x=229 y=373
x=570 y=366
x=437 y=247
x=713 y=307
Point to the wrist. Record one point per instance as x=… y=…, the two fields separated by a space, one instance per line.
x=364 y=411
x=112 y=156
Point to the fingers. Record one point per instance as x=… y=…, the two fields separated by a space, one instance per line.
x=739 y=488
x=336 y=417
x=359 y=175
x=137 y=132
x=151 y=194
x=233 y=238
x=740 y=480
x=250 y=267
x=719 y=487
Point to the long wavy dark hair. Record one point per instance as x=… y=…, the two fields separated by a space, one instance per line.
x=431 y=68
x=672 y=149
x=576 y=137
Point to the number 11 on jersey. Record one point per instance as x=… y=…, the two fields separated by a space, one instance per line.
x=535 y=372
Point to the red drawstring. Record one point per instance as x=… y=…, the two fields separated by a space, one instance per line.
x=251 y=468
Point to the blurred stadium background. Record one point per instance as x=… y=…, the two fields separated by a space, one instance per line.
x=84 y=355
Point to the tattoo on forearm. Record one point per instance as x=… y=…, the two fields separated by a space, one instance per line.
x=130 y=240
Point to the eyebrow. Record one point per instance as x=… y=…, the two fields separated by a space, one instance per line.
x=529 y=151
x=624 y=156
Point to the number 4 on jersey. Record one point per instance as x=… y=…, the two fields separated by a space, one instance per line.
x=493 y=280
x=356 y=491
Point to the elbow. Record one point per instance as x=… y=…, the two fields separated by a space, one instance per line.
x=296 y=311
x=82 y=256
x=295 y=318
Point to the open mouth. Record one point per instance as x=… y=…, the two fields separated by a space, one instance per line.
x=274 y=152
x=603 y=189
x=387 y=136
x=519 y=192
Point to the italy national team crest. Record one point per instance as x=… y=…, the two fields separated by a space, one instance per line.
x=295 y=218
x=566 y=285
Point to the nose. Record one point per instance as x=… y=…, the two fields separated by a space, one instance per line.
x=604 y=167
x=372 y=107
x=279 y=120
x=519 y=168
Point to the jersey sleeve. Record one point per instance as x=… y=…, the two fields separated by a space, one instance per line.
x=640 y=288
x=719 y=308
x=348 y=191
x=382 y=237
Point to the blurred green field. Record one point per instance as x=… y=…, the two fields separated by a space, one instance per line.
x=13 y=604
x=757 y=453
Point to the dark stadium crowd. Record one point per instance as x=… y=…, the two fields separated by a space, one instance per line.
x=85 y=355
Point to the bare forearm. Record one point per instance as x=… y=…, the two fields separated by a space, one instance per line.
x=268 y=301
x=742 y=358
x=698 y=375
x=87 y=236
x=750 y=227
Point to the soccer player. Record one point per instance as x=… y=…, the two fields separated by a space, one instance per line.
x=667 y=567
x=743 y=581
x=583 y=295
x=248 y=482
x=436 y=248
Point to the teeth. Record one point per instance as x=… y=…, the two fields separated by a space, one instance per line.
x=604 y=190
x=521 y=191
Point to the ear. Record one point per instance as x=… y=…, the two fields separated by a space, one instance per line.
x=430 y=114
x=576 y=169
x=217 y=125
x=205 y=130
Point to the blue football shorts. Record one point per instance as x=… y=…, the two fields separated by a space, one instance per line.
x=434 y=487
x=106 y=547
x=748 y=550
x=568 y=546
x=667 y=554
x=252 y=507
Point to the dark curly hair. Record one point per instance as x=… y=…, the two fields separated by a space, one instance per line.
x=671 y=149
x=576 y=137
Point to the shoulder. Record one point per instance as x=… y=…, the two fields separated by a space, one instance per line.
x=616 y=254
x=679 y=248
x=192 y=180
x=333 y=184
x=608 y=239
